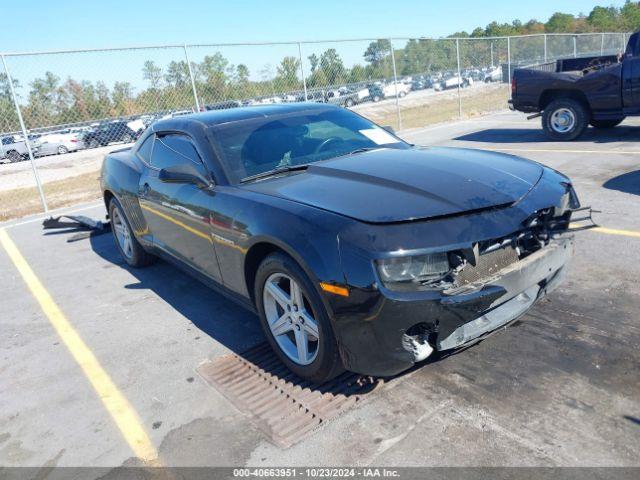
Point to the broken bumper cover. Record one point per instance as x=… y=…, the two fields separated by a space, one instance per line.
x=384 y=343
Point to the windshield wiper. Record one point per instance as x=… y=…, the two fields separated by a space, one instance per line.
x=357 y=150
x=275 y=171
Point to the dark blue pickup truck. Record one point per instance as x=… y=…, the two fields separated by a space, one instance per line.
x=571 y=94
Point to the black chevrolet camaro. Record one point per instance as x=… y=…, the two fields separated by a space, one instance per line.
x=357 y=250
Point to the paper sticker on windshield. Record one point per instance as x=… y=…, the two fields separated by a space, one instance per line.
x=379 y=136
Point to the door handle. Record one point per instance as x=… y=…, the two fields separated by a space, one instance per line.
x=144 y=191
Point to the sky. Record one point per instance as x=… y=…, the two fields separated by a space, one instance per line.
x=38 y=25
x=47 y=25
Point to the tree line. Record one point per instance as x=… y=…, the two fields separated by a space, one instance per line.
x=52 y=100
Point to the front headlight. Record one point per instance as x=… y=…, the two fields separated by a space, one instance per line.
x=398 y=273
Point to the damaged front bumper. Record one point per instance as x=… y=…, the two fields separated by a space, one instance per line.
x=402 y=329
x=519 y=286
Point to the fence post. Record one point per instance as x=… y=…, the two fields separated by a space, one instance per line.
x=193 y=80
x=395 y=84
x=304 y=81
x=459 y=78
x=25 y=135
x=575 y=46
x=545 y=48
x=509 y=61
x=602 y=44
x=491 y=53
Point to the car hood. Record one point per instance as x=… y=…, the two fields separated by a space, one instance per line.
x=392 y=185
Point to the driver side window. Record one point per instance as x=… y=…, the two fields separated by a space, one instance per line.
x=175 y=149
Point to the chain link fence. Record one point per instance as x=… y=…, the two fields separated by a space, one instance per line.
x=62 y=111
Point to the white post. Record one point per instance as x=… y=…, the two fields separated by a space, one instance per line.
x=491 y=53
x=509 y=61
x=193 y=80
x=545 y=48
x=304 y=81
x=602 y=44
x=395 y=84
x=25 y=135
x=575 y=46
x=459 y=78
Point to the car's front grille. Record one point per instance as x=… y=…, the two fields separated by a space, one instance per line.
x=488 y=265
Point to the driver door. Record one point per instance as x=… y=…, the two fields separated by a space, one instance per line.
x=179 y=214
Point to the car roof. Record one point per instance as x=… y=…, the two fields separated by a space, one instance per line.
x=217 y=117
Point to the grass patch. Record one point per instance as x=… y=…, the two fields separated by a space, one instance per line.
x=59 y=193
x=444 y=107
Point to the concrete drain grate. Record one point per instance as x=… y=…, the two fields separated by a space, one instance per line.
x=284 y=406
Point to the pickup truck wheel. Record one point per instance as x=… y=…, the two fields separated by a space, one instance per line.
x=349 y=102
x=606 y=123
x=132 y=252
x=376 y=98
x=294 y=319
x=564 y=119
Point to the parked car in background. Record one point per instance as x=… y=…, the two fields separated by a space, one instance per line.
x=420 y=83
x=494 y=74
x=107 y=133
x=60 y=142
x=342 y=97
x=453 y=82
x=376 y=93
x=13 y=149
x=401 y=88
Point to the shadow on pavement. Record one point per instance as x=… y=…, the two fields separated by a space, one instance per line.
x=536 y=135
x=627 y=182
x=223 y=320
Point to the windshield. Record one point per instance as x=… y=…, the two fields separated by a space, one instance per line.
x=255 y=146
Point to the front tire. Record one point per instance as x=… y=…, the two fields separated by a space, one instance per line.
x=565 y=119
x=62 y=150
x=294 y=319
x=130 y=249
x=606 y=123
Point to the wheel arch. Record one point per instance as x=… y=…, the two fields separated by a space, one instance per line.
x=547 y=96
x=265 y=246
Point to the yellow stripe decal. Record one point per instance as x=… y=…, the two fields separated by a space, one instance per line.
x=177 y=222
x=113 y=400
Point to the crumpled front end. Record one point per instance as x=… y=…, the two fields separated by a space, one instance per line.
x=384 y=328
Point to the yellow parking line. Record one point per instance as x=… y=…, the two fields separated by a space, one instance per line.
x=551 y=150
x=113 y=400
x=613 y=231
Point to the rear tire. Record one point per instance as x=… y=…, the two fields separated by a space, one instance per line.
x=130 y=249
x=606 y=123
x=62 y=149
x=93 y=143
x=565 y=119
x=321 y=358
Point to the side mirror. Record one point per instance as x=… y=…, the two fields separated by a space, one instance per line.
x=389 y=129
x=183 y=173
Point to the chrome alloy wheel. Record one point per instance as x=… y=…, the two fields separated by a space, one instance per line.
x=291 y=319
x=563 y=120
x=123 y=235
